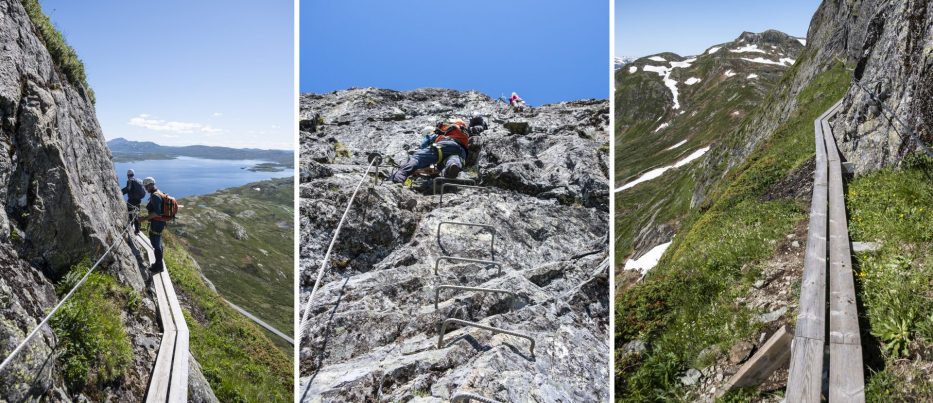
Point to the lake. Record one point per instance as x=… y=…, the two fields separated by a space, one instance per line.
x=186 y=176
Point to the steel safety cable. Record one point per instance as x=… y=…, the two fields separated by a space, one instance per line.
x=6 y=362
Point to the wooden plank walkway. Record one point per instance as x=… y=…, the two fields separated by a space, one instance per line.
x=827 y=265
x=169 y=381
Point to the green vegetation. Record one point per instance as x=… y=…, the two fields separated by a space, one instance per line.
x=341 y=150
x=242 y=238
x=237 y=358
x=64 y=56
x=895 y=208
x=687 y=303
x=95 y=349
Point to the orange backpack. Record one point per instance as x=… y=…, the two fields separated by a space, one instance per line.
x=169 y=207
x=454 y=129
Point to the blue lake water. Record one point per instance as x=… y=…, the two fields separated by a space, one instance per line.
x=186 y=176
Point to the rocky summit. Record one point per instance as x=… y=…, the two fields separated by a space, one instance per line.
x=373 y=328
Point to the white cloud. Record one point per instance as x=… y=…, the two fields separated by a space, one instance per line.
x=160 y=125
x=216 y=114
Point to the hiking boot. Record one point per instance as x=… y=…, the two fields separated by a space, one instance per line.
x=452 y=172
x=156 y=268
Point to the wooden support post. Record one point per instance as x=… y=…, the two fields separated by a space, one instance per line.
x=771 y=356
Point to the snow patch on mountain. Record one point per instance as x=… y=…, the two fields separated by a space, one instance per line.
x=682 y=142
x=657 y=58
x=633 y=69
x=692 y=80
x=713 y=49
x=657 y=172
x=784 y=61
x=684 y=64
x=752 y=76
x=748 y=49
x=665 y=73
x=729 y=73
x=662 y=127
x=649 y=260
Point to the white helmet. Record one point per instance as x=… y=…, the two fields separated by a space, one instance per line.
x=149 y=181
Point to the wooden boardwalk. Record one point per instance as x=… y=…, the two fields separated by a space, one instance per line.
x=169 y=381
x=827 y=266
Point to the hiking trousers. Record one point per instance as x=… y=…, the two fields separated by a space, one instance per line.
x=451 y=152
x=134 y=217
x=155 y=238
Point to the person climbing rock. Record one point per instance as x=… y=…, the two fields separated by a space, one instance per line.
x=477 y=124
x=446 y=146
x=516 y=101
x=134 y=192
x=157 y=221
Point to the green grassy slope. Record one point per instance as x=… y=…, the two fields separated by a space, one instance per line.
x=895 y=284
x=237 y=358
x=256 y=271
x=686 y=303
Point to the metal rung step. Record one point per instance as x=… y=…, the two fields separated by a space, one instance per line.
x=440 y=336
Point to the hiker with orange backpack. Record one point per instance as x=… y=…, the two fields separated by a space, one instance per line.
x=446 y=147
x=161 y=208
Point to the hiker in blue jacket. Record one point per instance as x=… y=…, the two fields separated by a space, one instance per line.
x=134 y=192
x=156 y=222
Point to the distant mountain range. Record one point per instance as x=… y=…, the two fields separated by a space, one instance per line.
x=622 y=61
x=124 y=150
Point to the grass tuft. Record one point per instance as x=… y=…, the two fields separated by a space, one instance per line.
x=95 y=349
x=64 y=56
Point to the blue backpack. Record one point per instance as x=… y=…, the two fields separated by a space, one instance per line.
x=136 y=190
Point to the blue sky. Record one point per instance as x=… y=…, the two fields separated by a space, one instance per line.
x=546 y=51
x=187 y=72
x=688 y=27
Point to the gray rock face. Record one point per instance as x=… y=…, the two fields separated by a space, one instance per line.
x=374 y=329
x=199 y=391
x=61 y=203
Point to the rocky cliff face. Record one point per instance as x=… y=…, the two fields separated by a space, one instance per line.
x=61 y=204
x=374 y=328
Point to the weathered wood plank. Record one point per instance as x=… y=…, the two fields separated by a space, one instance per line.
x=178 y=390
x=804 y=382
x=846 y=381
x=809 y=386
x=771 y=356
x=161 y=372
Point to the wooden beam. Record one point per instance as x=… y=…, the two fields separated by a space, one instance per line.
x=160 y=379
x=771 y=356
x=804 y=381
x=846 y=380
